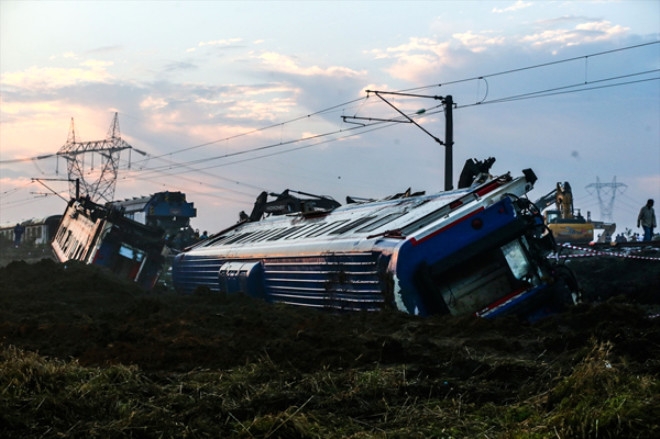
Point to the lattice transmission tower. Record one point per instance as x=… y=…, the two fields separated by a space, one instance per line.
x=606 y=193
x=94 y=164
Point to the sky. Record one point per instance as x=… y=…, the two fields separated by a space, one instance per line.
x=222 y=100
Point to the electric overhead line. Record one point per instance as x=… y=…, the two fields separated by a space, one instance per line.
x=257 y=130
x=534 y=95
x=481 y=77
x=341 y=133
x=536 y=66
x=572 y=88
x=265 y=155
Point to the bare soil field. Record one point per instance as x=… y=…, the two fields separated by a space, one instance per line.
x=84 y=354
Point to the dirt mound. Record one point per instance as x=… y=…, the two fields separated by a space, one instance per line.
x=263 y=370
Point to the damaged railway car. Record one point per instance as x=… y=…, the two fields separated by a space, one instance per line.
x=476 y=250
x=103 y=236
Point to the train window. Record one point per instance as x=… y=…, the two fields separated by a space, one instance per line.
x=318 y=230
x=272 y=233
x=241 y=237
x=306 y=229
x=237 y=237
x=351 y=225
x=74 y=246
x=324 y=230
x=131 y=253
x=251 y=236
x=79 y=253
x=257 y=236
x=381 y=221
x=65 y=245
x=214 y=240
x=285 y=233
x=519 y=264
x=60 y=233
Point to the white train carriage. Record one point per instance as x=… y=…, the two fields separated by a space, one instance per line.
x=36 y=231
x=476 y=250
x=101 y=235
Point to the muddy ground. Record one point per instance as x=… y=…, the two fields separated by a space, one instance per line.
x=589 y=372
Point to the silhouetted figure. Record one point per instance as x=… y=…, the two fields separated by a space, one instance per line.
x=646 y=220
x=18 y=234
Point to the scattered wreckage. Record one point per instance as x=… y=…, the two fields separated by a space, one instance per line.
x=136 y=238
x=480 y=249
x=129 y=237
x=104 y=236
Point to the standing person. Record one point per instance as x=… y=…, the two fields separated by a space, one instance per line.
x=18 y=234
x=646 y=219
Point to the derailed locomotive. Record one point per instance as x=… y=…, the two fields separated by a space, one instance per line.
x=103 y=236
x=476 y=250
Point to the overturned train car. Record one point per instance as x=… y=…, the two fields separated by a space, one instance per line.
x=103 y=236
x=476 y=250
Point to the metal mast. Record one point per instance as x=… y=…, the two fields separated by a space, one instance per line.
x=448 y=105
x=603 y=190
x=98 y=180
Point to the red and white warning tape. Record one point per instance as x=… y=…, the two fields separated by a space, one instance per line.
x=588 y=252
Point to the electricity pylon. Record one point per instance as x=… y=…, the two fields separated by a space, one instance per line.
x=604 y=190
x=98 y=180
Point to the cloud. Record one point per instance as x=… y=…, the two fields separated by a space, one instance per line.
x=44 y=78
x=518 y=5
x=265 y=102
x=286 y=64
x=414 y=44
x=226 y=42
x=478 y=42
x=259 y=110
x=583 y=33
x=38 y=127
x=415 y=58
x=153 y=103
x=180 y=65
x=95 y=64
x=104 y=50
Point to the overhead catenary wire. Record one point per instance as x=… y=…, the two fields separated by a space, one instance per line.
x=193 y=165
x=364 y=99
x=361 y=129
x=295 y=149
x=535 y=66
x=256 y=130
x=253 y=150
x=532 y=95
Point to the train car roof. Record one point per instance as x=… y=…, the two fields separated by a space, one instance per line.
x=30 y=221
x=374 y=218
x=138 y=204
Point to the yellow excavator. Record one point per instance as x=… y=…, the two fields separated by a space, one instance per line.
x=567 y=224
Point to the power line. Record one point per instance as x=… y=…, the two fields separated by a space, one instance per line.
x=573 y=88
x=352 y=131
x=533 y=95
x=536 y=66
x=363 y=100
x=280 y=124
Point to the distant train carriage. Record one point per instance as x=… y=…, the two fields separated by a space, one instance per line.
x=101 y=235
x=36 y=231
x=476 y=250
x=169 y=211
